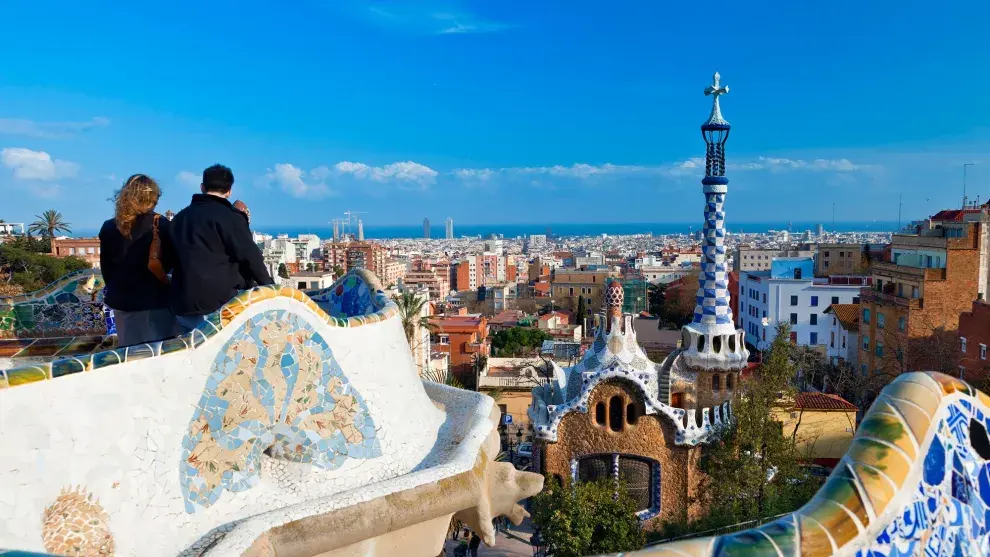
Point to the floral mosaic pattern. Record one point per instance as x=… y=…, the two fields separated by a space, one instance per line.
x=70 y=307
x=275 y=387
x=75 y=524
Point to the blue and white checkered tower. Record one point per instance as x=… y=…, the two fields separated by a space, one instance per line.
x=711 y=340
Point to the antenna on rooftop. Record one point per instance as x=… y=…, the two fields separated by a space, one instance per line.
x=900 y=205
x=965 y=167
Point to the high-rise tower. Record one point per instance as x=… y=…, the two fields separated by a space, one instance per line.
x=426 y=228
x=711 y=340
x=449 y=228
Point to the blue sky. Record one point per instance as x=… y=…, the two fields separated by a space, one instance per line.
x=495 y=112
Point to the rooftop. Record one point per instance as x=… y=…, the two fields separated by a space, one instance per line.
x=847 y=314
x=823 y=401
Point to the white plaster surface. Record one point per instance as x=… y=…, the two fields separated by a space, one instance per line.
x=117 y=432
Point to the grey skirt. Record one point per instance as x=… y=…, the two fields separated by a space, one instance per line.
x=140 y=327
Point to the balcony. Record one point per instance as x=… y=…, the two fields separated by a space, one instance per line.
x=905 y=272
x=869 y=295
x=511 y=382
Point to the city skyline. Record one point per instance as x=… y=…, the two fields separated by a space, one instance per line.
x=443 y=109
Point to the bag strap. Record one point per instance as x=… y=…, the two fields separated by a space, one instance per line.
x=155 y=253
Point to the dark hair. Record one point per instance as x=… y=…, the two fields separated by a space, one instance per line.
x=218 y=178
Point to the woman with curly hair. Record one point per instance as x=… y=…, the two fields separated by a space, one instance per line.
x=136 y=257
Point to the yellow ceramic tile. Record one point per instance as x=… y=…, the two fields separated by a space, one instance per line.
x=833 y=518
x=879 y=488
x=950 y=384
x=916 y=393
x=917 y=421
x=842 y=490
x=881 y=457
x=815 y=542
x=890 y=428
x=25 y=375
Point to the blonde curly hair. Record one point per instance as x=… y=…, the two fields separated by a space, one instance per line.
x=138 y=196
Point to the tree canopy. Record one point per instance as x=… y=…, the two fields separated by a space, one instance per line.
x=518 y=340
x=31 y=270
x=49 y=223
x=587 y=518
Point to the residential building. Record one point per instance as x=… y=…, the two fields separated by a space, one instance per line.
x=513 y=379
x=823 y=424
x=790 y=293
x=501 y=296
x=449 y=228
x=463 y=338
x=486 y=269
x=933 y=276
x=843 y=334
x=841 y=259
x=435 y=282
x=506 y=319
x=367 y=255
x=570 y=285
x=749 y=258
x=11 y=228
x=311 y=280
x=87 y=249
x=974 y=338
x=335 y=256
x=393 y=272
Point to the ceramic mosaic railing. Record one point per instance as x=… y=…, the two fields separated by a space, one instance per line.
x=273 y=417
x=916 y=481
x=66 y=317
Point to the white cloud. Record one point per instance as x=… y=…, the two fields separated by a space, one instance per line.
x=50 y=130
x=438 y=17
x=188 y=179
x=407 y=172
x=298 y=183
x=36 y=165
x=451 y=24
x=784 y=164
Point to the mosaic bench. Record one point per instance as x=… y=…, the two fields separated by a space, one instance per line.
x=284 y=425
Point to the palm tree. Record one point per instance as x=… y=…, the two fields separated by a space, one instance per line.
x=410 y=313
x=48 y=223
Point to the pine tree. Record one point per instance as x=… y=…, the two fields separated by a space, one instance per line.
x=283 y=271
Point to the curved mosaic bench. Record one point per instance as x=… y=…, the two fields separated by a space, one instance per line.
x=66 y=317
x=916 y=481
x=275 y=428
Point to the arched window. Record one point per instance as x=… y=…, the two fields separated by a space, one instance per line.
x=615 y=407
x=638 y=476
x=716 y=344
x=632 y=413
x=797 y=274
x=730 y=382
x=600 y=413
x=715 y=382
x=701 y=343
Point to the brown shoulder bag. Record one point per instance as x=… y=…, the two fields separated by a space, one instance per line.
x=155 y=253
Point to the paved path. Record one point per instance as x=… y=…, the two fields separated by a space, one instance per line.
x=506 y=545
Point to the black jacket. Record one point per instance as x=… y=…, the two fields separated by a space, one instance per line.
x=215 y=256
x=124 y=264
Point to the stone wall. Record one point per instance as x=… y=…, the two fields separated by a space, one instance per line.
x=650 y=437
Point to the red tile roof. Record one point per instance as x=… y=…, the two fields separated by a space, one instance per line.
x=955 y=215
x=823 y=401
x=848 y=315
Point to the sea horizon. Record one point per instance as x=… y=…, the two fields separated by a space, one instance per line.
x=413 y=231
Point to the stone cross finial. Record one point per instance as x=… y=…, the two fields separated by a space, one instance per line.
x=715 y=89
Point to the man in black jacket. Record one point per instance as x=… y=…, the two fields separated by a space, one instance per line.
x=215 y=254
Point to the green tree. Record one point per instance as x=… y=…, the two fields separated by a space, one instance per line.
x=283 y=271
x=655 y=295
x=587 y=518
x=31 y=270
x=752 y=466
x=518 y=340
x=49 y=223
x=30 y=244
x=410 y=313
x=338 y=271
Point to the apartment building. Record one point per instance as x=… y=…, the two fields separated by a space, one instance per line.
x=571 y=285
x=393 y=272
x=463 y=338
x=749 y=258
x=916 y=299
x=435 y=281
x=974 y=338
x=87 y=249
x=350 y=255
x=843 y=334
x=841 y=259
x=790 y=293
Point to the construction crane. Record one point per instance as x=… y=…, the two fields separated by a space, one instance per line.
x=352 y=217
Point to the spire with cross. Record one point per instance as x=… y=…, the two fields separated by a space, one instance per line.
x=715 y=342
x=716 y=90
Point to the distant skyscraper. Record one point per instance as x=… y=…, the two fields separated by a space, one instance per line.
x=450 y=228
x=821 y=230
x=426 y=228
x=360 y=231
